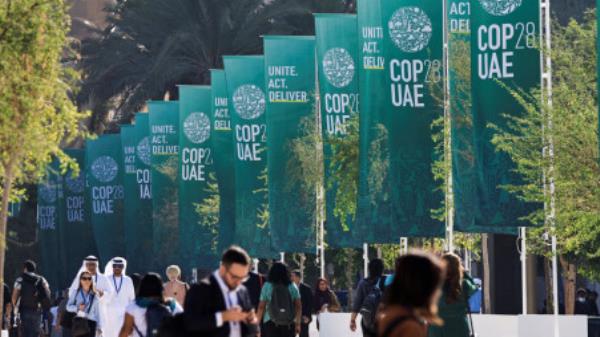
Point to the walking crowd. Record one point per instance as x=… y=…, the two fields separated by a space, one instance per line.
x=425 y=296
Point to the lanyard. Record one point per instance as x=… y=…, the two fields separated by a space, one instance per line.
x=118 y=289
x=85 y=297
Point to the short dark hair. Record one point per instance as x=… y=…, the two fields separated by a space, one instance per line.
x=151 y=286
x=30 y=266
x=297 y=272
x=417 y=277
x=279 y=274
x=235 y=254
x=376 y=267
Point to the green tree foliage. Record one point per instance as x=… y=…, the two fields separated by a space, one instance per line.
x=566 y=133
x=150 y=46
x=37 y=113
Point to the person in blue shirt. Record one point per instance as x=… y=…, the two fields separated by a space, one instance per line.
x=84 y=302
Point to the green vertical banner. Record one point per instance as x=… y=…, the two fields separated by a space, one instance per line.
x=413 y=46
x=144 y=253
x=199 y=202
x=105 y=192
x=290 y=84
x=337 y=61
x=131 y=198
x=245 y=76
x=77 y=235
x=464 y=172
x=374 y=194
x=223 y=149
x=164 y=144
x=49 y=221
x=504 y=58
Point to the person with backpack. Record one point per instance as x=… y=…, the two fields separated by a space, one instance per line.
x=324 y=300
x=147 y=315
x=83 y=306
x=280 y=308
x=367 y=298
x=31 y=295
x=454 y=303
x=410 y=302
x=219 y=305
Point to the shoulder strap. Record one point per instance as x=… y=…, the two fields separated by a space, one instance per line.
x=396 y=323
x=91 y=303
x=472 y=328
x=137 y=330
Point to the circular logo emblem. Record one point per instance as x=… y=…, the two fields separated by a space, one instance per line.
x=410 y=29
x=105 y=169
x=338 y=67
x=196 y=127
x=500 y=7
x=75 y=184
x=143 y=150
x=47 y=192
x=249 y=101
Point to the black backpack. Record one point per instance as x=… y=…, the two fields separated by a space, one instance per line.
x=33 y=292
x=281 y=306
x=158 y=317
x=370 y=305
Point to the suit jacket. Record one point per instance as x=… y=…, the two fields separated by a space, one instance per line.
x=202 y=303
x=306 y=296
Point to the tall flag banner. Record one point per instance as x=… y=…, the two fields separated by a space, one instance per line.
x=49 y=200
x=374 y=206
x=504 y=58
x=245 y=76
x=290 y=84
x=221 y=137
x=143 y=210
x=464 y=173
x=104 y=190
x=199 y=203
x=598 y=65
x=413 y=46
x=337 y=61
x=164 y=144
x=131 y=199
x=77 y=235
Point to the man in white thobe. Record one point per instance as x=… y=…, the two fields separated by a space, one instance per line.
x=122 y=293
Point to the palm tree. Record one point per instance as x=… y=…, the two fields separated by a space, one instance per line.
x=150 y=46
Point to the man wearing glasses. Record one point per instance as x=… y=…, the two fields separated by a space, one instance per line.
x=122 y=293
x=219 y=305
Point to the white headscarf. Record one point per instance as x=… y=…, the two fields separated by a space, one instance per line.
x=108 y=270
x=75 y=283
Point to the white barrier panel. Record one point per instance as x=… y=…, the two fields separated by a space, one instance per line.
x=543 y=326
x=337 y=325
x=496 y=326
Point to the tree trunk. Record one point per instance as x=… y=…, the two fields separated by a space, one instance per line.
x=487 y=260
x=6 y=189
x=570 y=284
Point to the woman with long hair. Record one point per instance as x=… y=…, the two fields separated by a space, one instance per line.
x=279 y=290
x=150 y=295
x=410 y=302
x=454 y=303
x=84 y=303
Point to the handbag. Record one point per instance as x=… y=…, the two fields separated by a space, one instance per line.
x=66 y=320
x=80 y=325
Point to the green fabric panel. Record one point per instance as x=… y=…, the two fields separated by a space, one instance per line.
x=337 y=60
x=464 y=173
x=104 y=189
x=290 y=83
x=223 y=149
x=164 y=142
x=413 y=46
x=144 y=258
x=245 y=87
x=76 y=231
x=512 y=61
x=374 y=206
x=49 y=202
x=198 y=186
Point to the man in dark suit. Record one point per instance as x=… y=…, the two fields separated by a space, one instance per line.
x=219 y=305
x=306 y=297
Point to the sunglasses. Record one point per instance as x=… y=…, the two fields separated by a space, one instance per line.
x=86 y=278
x=118 y=266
